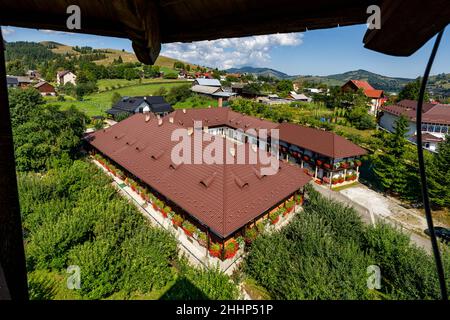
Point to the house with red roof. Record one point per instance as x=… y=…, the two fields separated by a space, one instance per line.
x=217 y=203
x=435 y=121
x=376 y=97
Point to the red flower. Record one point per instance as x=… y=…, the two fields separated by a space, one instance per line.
x=327 y=165
x=319 y=162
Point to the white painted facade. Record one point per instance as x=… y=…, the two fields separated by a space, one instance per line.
x=68 y=77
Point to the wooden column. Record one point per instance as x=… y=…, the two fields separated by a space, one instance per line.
x=12 y=256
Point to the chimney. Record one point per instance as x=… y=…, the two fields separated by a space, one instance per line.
x=220 y=102
x=232 y=151
x=147 y=117
x=190 y=131
x=171 y=119
x=184 y=110
x=160 y=122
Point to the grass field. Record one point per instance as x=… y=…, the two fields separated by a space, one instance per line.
x=97 y=103
x=103 y=84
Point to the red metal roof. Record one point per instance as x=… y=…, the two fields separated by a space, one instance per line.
x=324 y=142
x=431 y=112
x=368 y=90
x=428 y=137
x=225 y=197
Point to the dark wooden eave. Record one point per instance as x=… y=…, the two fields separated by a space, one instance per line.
x=407 y=24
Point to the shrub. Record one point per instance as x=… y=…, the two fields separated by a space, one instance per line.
x=215 y=250
x=274 y=216
x=231 y=248
x=177 y=220
x=188 y=228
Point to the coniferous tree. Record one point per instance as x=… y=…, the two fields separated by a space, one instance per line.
x=389 y=166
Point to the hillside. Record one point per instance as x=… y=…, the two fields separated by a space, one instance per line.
x=267 y=72
x=111 y=55
x=439 y=85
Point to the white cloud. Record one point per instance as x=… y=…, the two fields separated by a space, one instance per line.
x=6 y=31
x=233 y=52
x=53 y=31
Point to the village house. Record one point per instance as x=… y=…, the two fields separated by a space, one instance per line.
x=24 y=81
x=34 y=74
x=131 y=105
x=45 y=88
x=299 y=97
x=376 y=97
x=211 y=88
x=435 y=121
x=64 y=77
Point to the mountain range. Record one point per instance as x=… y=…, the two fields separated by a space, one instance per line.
x=437 y=84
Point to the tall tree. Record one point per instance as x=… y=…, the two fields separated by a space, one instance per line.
x=389 y=166
x=439 y=176
x=411 y=91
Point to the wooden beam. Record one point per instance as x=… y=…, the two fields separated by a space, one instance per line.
x=406 y=25
x=12 y=256
x=141 y=23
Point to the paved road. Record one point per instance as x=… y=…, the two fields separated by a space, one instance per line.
x=374 y=207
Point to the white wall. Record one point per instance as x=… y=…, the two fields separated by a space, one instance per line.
x=387 y=121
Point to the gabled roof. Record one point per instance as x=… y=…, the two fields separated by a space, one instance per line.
x=225 y=197
x=299 y=96
x=211 y=117
x=431 y=112
x=205 y=89
x=323 y=142
x=63 y=73
x=208 y=82
x=129 y=104
x=368 y=90
x=24 y=79
x=224 y=94
x=41 y=83
x=428 y=137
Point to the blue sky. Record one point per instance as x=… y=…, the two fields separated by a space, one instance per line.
x=317 y=52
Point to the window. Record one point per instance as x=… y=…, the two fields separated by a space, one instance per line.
x=437 y=128
x=444 y=129
x=424 y=127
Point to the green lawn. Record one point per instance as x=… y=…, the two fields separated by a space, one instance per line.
x=103 y=84
x=97 y=103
